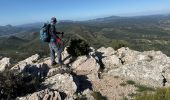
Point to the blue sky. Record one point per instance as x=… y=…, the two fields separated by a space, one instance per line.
x=28 y=11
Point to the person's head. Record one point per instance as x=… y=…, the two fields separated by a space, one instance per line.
x=53 y=20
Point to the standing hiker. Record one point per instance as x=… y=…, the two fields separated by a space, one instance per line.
x=49 y=34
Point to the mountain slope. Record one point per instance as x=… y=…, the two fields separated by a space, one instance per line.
x=139 y=33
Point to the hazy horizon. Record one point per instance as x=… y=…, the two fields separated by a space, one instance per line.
x=86 y=19
x=19 y=12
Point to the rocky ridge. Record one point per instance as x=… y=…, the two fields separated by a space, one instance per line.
x=102 y=71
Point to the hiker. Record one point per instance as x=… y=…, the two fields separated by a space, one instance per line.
x=55 y=43
x=49 y=34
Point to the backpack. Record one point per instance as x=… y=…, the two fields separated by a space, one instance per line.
x=44 y=33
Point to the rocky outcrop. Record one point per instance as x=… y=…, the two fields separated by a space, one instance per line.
x=4 y=63
x=86 y=66
x=111 y=62
x=27 y=62
x=145 y=67
x=106 y=51
x=62 y=83
x=83 y=74
x=43 y=95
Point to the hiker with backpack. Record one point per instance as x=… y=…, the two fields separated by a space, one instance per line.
x=49 y=34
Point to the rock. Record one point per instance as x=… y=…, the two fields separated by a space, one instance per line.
x=65 y=56
x=145 y=67
x=92 y=51
x=47 y=61
x=62 y=83
x=22 y=64
x=58 y=70
x=88 y=94
x=106 y=51
x=126 y=55
x=111 y=62
x=43 y=95
x=86 y=66
x=4 y=63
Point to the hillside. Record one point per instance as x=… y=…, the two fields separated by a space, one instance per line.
x=139 y=33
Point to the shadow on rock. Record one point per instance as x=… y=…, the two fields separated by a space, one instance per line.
x=66 y=58
x=72 y=59
x=63 y=95
x=38 y=71
x=99 y=61
x=82 y=82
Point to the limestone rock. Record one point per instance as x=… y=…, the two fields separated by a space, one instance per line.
x=85 y=65
x=106 y=51
x=62 y=83
x=145 y=67
x=88 y=94
x=4 y=63
x=43 y=95
x=22 y=64
x=111 y=62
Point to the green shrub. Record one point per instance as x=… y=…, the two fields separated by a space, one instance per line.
x=98 y=96
x=130 y=82
x=116 y=44
x=125 y=98
x=14 y=84
x=142 y=88
x=159 y=94
x=132 y=94
x=81 y=97
x=78 y=47
x=123 y=84
x=116 y=76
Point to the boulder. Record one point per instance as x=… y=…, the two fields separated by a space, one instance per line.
x=106 y=51
x=88 y=94
x=145 y=67
x=42 y=95
x=86 y=66
x=4 y=63
x=29 y=61
x=111 y=62
x=62 y=83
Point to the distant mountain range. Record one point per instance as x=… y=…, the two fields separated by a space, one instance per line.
x=138 y=32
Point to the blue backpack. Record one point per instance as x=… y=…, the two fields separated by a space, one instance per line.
x=44 y=33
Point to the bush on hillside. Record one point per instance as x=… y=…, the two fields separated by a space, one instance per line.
x=14 y=84
x=116 y=44
x=78 y=47
x=159 y=94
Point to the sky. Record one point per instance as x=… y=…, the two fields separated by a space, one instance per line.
x=17 y=12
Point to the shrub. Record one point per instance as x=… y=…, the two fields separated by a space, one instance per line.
x=130 y=82
x=159 y=94
x=116 y=76
x=98 y=96
x=123 y=84
x=78 y=47
x=116 y=44
x=142 y=88
x=14 y=84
